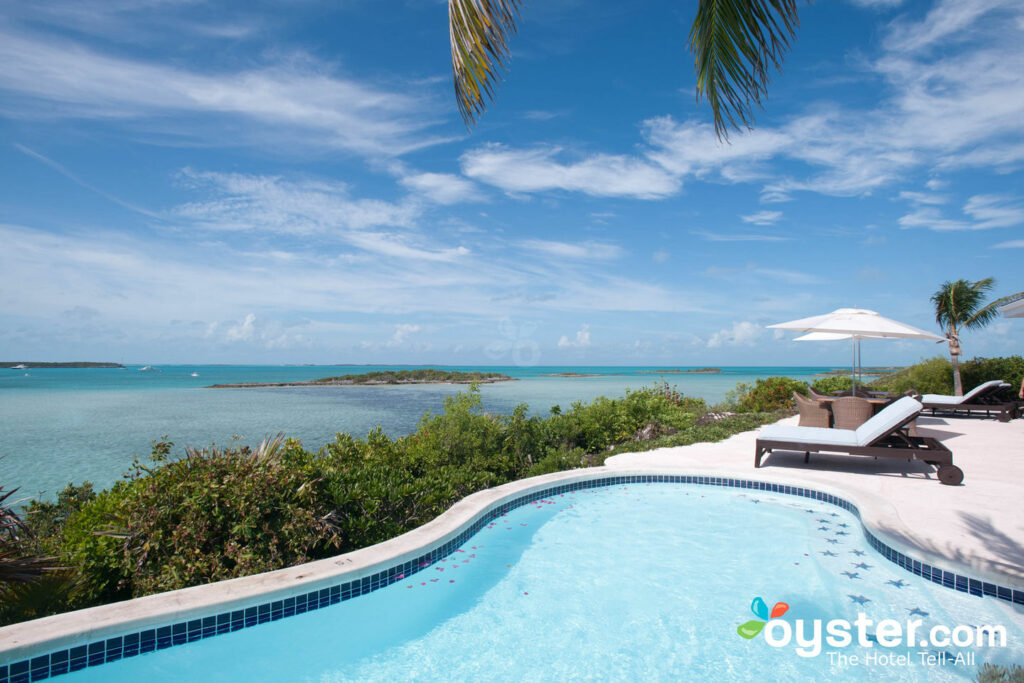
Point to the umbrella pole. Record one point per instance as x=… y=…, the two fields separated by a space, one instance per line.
x=853 y=370
x=860 y=364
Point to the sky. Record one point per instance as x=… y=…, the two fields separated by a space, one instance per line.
x=290 y=182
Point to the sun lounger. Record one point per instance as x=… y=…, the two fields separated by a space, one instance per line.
x=882 y=436
x=982 y=398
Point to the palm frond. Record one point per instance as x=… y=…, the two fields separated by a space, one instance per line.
x=735 y=43
x=479 y=31
x=990 y=312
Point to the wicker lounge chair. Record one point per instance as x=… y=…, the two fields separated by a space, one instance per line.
x=883 y=436
x=812 y=413
x=850 y=412
x=985 y=398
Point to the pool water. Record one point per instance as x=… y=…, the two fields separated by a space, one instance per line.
x=628 y=582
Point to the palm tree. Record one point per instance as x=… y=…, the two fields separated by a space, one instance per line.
x=14 y=566
x=958 y=306
x=735 y=44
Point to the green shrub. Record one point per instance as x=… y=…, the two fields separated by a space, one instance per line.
x=221 y=513
x=930 y=376
x=979 y=370
x=772 y=393
x=826 y=385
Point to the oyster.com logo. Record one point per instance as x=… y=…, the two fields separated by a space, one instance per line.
x=753 y=627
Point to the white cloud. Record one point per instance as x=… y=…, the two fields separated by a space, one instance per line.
x=741 y=334
x=722 y=237
x=763 y=217
x=923 y=198
x=877 y=4
x=985 y=211
x=583 y=251
x=582 y=339
x=442 y=188
x=1010 y=244
x=402 y=333
x=298 y=100
x=661 y=256
x=258 y=203
x=539 y=170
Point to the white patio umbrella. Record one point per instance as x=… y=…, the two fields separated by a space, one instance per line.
x=857 y=323
x=1014 y=309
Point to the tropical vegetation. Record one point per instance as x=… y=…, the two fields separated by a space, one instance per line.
x=224 y=512
x=959 y=306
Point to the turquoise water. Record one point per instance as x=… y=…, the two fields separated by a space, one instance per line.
x=643 y=582
x=64 y=425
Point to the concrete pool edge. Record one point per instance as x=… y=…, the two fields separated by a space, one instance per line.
x=21 y=642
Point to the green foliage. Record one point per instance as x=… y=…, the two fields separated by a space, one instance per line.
x=979 y=370
x=773 y=393
x=220 y=513
x=826 y=385
x=992 y=673
x=930 y=376
x=735 y=396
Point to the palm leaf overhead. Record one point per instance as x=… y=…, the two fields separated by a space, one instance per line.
x=479 y=31
x=735 y=42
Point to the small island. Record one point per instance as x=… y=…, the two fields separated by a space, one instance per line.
x=31 y=365
x=695 y=371
x=383 y=377
x=886 y=370
x=574 y=374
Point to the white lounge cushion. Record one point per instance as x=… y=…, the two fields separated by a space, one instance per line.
x=983 y=387
x=944 y=400
x=887 y=419
x=809 y=435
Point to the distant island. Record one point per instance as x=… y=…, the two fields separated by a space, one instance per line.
x=26 y=365
x=574 y=374
x=383 y=378
x=695 y=371
x=864 y=371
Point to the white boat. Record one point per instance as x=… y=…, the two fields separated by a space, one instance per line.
x=148 y=368
x=20 y=366
x=195 y=374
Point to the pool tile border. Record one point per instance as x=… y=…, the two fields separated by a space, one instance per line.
x=159 y=638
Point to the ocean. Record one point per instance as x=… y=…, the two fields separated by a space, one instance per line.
x=73 y=425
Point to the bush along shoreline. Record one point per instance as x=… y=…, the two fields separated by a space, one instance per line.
x=225 y=512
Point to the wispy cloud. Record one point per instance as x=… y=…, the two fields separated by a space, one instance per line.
x=763 y=217
x=583 y=251
x=442 y=188
x=64 y=171
x=985 y=211
x=297 y=99
x=539 y=170
x=724 y=237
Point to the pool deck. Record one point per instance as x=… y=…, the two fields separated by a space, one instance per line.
x=977 y=527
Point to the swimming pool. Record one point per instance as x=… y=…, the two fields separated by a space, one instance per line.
x=645 y=580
